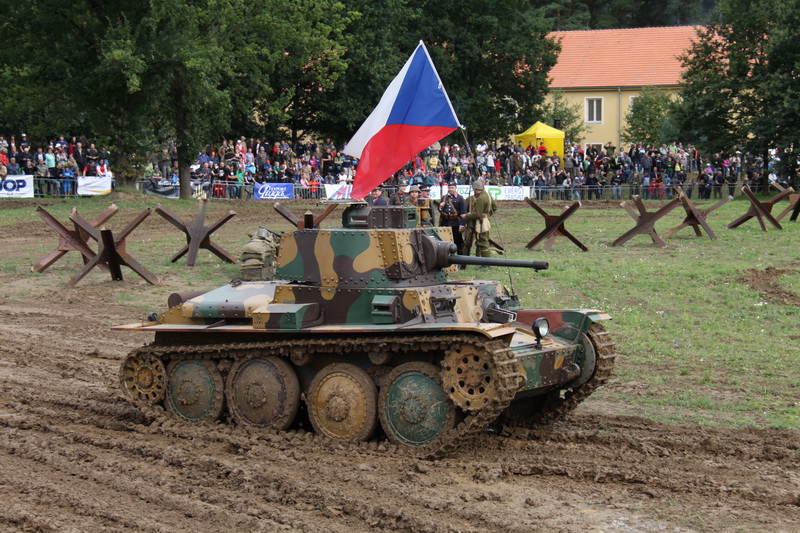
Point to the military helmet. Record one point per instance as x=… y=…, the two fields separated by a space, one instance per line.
x=413 y=188
x=477 y=185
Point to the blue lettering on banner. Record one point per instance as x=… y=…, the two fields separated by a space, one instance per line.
x=273 y=191
x=11 y=185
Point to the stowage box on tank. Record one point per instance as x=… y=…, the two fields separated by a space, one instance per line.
x=362 y=324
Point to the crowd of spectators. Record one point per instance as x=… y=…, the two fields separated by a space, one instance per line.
x=232 y=168
x=55 y=165
x=584 y=172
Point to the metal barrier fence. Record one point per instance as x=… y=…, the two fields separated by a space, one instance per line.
x=222 y=190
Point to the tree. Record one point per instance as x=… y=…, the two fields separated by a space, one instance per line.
x=643 y=13
x=134 y=72
x=645 y=120
x=494 y=66
x=493 y=62
x=558 y=108
x=725 y=69
x=565 y=14
x=779 y=120
x=380 y=39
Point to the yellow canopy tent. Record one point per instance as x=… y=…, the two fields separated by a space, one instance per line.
x=552 y=138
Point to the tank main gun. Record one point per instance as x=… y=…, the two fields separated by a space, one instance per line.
x=444 y=255
x=497 y=261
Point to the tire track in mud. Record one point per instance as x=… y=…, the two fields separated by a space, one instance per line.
x=335 y=491
x=367 y=486
x=75 y=455
x=49 y=413
x=735 y=470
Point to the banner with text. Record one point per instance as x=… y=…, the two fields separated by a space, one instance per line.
x=273 y=191
x=94 y=185
x=342 y=192
x=17 y=187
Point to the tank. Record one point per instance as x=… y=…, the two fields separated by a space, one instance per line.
x=370 y=329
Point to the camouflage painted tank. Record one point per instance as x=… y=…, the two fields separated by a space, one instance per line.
x=364 y=328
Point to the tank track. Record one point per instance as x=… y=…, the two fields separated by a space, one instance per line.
x=555 y=405
x=507 y=377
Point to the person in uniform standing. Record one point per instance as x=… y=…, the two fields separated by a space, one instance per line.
x=412 y=196
x=452 y=208
x=425 y=205
x=480 y=207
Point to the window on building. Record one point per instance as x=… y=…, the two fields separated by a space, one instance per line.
x=594 y=110
x=630 y=103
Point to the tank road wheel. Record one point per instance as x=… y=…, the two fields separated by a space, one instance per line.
x=194 y=391
x=342 y=402
x=143 y=378
x=469 y=377
x=263 y=392
x=414 y=410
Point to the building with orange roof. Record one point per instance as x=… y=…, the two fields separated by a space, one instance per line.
x=604 y=70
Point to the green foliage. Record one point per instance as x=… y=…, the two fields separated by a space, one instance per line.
x=494 y=65
x=135 y=72
x=643 y=13
x=565 y=14
x=603 y=14
x=313 y=43
x=557 y=107
x=722 y=93
x=645 y=120
x=740 y=84
x=779 y=119
x=373 y=56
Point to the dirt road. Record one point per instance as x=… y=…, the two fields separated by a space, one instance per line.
x=75 y=456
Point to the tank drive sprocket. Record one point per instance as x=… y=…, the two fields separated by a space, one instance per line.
x=470 y=377
x=143 y=377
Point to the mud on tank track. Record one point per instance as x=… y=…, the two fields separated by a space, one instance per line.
x=74 y=455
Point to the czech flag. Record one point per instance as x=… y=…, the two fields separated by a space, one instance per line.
x=413 y=113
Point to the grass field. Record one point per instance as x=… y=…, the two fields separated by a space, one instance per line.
x=697 y=343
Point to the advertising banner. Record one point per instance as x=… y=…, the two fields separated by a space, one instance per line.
x=337 y=191
x=17 y=187
x=273 y=191
x=94 y=185
x=342 y=192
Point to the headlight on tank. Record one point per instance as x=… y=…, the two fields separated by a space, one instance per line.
x=541 y=327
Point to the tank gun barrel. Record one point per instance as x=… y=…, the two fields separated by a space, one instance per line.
x=496 y=261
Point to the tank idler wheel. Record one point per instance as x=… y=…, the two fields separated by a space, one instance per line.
x=143 y=378
x=194 y=391
x=342 y=402
x=469 y=377
x=414 y=410
x=263 y=392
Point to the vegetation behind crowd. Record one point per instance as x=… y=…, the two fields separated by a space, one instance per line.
x=132 y=74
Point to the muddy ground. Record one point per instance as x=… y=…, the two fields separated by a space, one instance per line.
x=75 y=456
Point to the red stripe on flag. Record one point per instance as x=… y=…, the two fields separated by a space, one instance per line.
x=388 y=150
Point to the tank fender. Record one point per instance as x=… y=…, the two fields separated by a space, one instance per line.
x=567 y=324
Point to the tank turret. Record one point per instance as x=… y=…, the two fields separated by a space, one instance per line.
x=364 y=322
